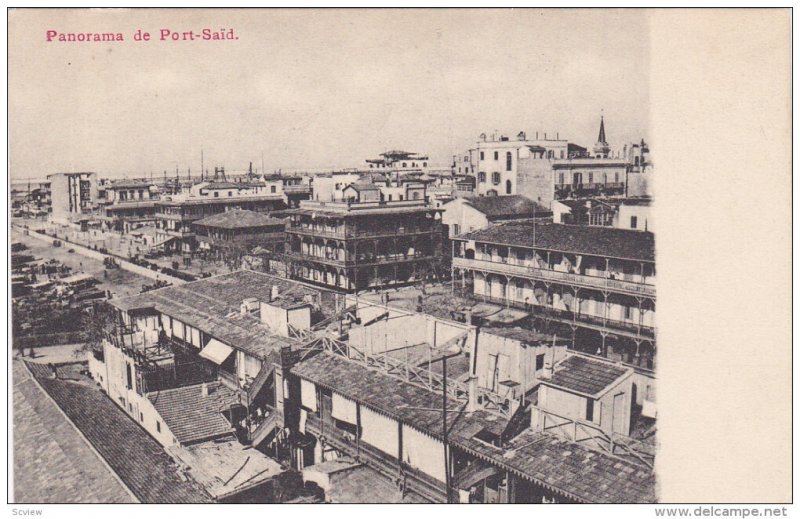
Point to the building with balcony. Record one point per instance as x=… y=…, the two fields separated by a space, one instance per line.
x=364 y=243
x=239 y=231
x=176 y=214
x=594 y=285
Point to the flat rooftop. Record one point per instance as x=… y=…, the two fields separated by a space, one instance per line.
x=225 y=468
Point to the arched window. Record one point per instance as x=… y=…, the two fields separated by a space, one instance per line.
x=508 y=187
x=508 y=161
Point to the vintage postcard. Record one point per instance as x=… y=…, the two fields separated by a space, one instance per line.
x=394 y=256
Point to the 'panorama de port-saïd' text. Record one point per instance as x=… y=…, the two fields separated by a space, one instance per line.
x=140 y=35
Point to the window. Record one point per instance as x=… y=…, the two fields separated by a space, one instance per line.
x=271 y=189
x=589 y=410
x=508 y=161
x=496 y=155
x=628 y=312
x=633 y=222
x=562 y=154
x=560 y=178
x=591 y=177
x=481 y=177
x=540 y=362
x=230 y=193
x=390 y=198
x=401 y=198
x=129 y=384
x=495 y=178
x=424 y=164
x=616 y=177
x=216 y=194
x=481 y=155
x=508 y=187
x=456 y=229
x=404 y=164
x=158 y=426
x=141 y=417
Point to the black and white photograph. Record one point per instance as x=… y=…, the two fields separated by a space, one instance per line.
x=376 y=256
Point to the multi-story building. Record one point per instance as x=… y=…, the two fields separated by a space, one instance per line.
x=547 y=169
x=366 y=241
x=497 y=161
x=201 y=367
x=239 y=231
x=175 y=214
x=72 y=195
x=595 y=285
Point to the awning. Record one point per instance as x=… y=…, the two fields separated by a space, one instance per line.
x=216 y=351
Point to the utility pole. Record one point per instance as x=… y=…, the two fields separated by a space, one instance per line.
x=444 y=429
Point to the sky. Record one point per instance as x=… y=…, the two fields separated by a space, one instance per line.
x=314 y=88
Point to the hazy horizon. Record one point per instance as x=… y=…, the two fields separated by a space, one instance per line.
x=315 y=88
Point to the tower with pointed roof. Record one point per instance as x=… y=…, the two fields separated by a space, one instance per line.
x=601 y=148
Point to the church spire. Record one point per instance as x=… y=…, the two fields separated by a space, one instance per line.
x=601 y=148
x=602 y=136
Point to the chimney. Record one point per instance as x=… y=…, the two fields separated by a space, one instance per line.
x=204 y=390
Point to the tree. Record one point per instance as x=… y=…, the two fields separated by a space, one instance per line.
x=98 y=321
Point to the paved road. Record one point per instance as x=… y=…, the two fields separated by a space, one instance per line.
x=52 y=463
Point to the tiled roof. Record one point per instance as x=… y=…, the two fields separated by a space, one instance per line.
x=137 y=458
x=572 y=469
x=190 y=416
x=408 y=403
x=568 y=468
x=239 y=219
x=213 y=306
x=509 y=206
x=585 y=375
x=577 y=239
